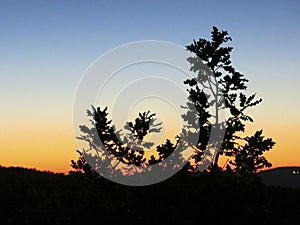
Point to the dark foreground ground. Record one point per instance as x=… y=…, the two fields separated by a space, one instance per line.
x=33 y=197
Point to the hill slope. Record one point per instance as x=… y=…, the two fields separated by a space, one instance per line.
x=34 y=197
x=282 y=176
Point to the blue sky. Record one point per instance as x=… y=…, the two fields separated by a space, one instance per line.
x=45 y=47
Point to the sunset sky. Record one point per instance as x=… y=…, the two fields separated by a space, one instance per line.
x=46 y=46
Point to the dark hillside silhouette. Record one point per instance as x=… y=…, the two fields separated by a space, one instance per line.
x=32 y=197
x=282 y=176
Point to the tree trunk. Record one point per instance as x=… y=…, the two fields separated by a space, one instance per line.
x=216 y=160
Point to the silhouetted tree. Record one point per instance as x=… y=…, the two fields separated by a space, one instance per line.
x=216 y=82
x=81 y=166
x=217 y=86
x=113 y=147
x=248 y=158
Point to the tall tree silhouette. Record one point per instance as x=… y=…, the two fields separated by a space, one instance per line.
x=223 y=83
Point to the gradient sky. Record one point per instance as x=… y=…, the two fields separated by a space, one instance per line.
x=45 y=47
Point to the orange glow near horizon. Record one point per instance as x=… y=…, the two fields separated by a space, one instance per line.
x=51 y=147
x=42 y=147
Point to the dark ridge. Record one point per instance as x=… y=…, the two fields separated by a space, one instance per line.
x=282 y=176
x=26 y=170
x=31 y=197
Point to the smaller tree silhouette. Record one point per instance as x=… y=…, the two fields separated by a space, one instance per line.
x=114 y=147
x=248 y=158
x=81 y=166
